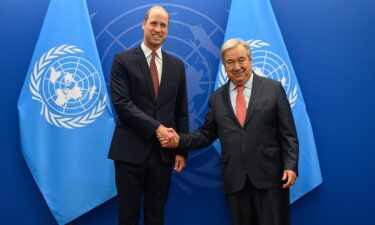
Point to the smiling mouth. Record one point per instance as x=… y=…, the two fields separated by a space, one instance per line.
x=238 y=74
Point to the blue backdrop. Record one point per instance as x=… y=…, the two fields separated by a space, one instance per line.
x=330 y=46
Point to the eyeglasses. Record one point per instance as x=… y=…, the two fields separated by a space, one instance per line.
x=241 y=61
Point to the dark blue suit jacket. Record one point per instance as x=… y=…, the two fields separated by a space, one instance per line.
x=139 y=112
x=263 y=148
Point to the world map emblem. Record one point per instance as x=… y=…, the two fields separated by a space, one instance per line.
x=268 y=64
x=68 y=87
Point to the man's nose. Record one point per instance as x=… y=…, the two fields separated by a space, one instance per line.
x=158 y=28
x=237 y=65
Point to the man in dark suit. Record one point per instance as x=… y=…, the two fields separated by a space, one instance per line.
x=148 y=89
x=252 y=118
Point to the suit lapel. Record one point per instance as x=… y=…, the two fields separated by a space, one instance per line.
x=142 y=62
x=164 y=74
x=228 y=103
x=256 y=92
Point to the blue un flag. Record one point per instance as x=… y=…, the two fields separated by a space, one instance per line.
x=254 y=21
x=66 y=122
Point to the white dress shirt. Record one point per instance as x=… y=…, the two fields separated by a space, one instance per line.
x=158 y=58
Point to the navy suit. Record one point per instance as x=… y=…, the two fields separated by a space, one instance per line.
x=134 y=147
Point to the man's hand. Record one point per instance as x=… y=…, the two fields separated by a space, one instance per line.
x=289 y=177
x=179 y=163
x=168 y=137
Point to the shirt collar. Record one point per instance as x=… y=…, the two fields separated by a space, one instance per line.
x=248 y=84
x=148 y=51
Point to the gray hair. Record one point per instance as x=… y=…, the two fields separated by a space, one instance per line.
x=232 y=43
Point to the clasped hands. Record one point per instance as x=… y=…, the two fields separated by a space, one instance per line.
x=167 y=137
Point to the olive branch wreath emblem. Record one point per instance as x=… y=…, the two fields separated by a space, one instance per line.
x=52 y=118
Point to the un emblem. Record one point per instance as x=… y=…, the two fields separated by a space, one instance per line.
x=68 y=88
x=268 y=64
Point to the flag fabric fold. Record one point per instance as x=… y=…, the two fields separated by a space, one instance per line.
x=254 y=22
x=66 y=122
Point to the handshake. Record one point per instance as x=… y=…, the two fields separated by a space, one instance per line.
x=167 y=137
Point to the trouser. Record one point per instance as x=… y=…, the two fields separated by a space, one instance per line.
x=252 y=206
x=150 y=179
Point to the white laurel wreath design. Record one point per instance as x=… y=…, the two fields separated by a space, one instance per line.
x=54 y=119
x=293 y=97
x=223 y=77
x=259 y=44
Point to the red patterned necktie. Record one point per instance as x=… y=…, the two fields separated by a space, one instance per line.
x=154 y=73
x=240 y=105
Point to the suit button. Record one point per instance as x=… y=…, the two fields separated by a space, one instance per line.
x=242 y=132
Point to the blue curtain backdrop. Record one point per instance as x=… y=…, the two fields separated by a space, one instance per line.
x=329 y=44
